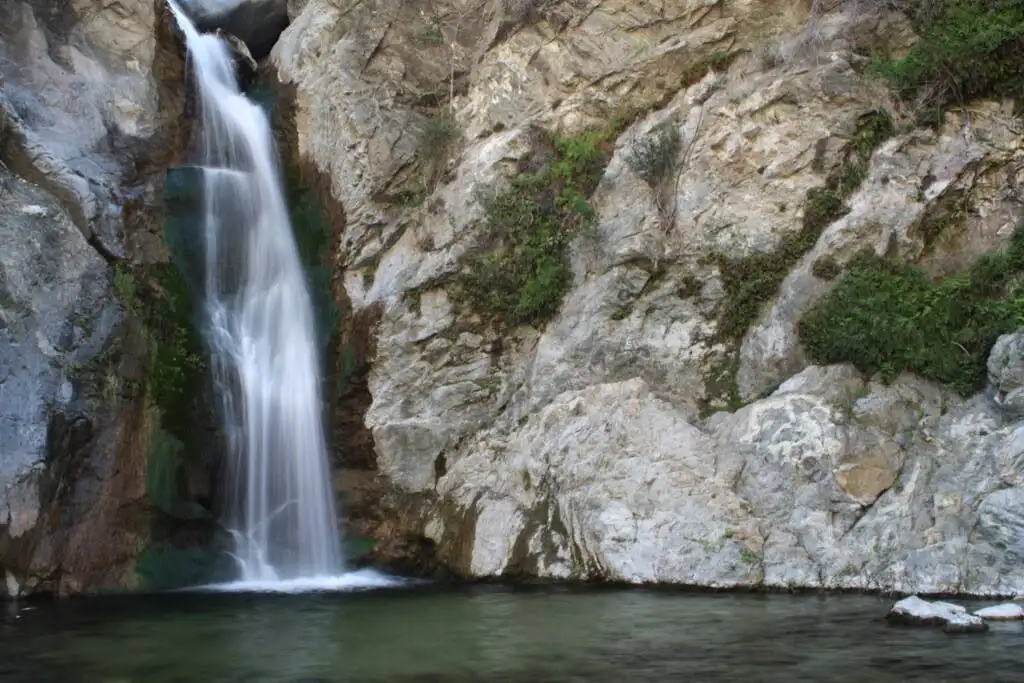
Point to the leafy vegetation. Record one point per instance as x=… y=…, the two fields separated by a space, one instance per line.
x=437 y=140
x=654 y=157
x=524 y=272
x=890 y=318
x=438 y=135
x=968 y=49
x=752 y=280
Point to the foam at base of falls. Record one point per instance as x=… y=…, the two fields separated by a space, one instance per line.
x=364 y=579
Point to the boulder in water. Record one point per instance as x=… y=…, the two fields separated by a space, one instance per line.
x=1010 y=611
x=914 y=611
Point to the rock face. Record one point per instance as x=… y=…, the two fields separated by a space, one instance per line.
x=628 y=438
x=90 y=115
x=1006 y=612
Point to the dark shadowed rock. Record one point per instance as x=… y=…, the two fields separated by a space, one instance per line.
x=258 y=23
x=245 y=65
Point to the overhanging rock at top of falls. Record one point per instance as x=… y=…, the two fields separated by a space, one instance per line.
x=258 y=23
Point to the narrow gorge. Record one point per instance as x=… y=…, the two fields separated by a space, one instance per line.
x=709 y=293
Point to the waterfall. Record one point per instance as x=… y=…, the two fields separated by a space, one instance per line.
x=260 y=329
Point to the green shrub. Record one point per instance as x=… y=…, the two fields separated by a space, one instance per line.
x=524 y=271
x=438 y=135
x=891 y=318
x=654 y=157
x=968 y=49
x=752 y=280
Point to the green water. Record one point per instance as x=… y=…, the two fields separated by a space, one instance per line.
x=491 y=634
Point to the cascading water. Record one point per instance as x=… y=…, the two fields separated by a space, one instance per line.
x=261 y=334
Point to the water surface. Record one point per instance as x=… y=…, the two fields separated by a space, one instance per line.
x=493 y=634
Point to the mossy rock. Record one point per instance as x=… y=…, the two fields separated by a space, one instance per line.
x=165 y=566
x=752 y=281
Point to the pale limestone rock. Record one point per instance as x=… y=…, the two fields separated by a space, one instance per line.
x=582 y=449
x=657 y=513
x=1006 y=612
x=953 y=618
x=1006 y=372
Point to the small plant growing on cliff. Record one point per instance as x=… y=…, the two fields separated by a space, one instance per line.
x=437 y=139
x=523 y=272
x=890 y=318
x=438 y=135
x=654 y=157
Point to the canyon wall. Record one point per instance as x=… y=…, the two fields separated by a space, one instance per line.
x=605 y=257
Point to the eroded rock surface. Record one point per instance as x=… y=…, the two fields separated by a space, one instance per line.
x=90 y=115
x=590 y=447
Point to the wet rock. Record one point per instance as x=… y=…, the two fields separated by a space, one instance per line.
x=245 y=65
x=914 y=611
x=82 y=147
x=1006 y=612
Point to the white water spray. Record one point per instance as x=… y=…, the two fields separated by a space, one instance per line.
x=262 y=337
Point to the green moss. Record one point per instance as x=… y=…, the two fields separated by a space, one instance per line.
x=124 y=284
x=165 y=477
x=177 y=357
x=689 y=286
x=348 y=366
x=524 y=271
x=753 y=280
x=968 y=49
x=891 y=318
x=949 y=213
x=717 y=61
x=164 y=566
x=358 y=547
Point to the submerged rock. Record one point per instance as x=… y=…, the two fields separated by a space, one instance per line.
x=914 y=611
x=1005 y=612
